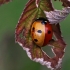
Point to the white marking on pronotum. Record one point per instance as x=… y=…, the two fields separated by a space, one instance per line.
x=26 y=49
x=36 y=3
x=41 y=60
x=57 y=16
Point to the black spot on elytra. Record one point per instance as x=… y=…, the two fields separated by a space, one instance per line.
x=35 y=40
x=49 y=32
x=39 y=31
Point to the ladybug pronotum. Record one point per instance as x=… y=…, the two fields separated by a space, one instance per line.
x=41 y=32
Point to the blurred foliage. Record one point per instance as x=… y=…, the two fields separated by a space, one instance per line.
x=12 y=56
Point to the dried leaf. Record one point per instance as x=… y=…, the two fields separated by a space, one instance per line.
x=4 y=1
x=35 y=9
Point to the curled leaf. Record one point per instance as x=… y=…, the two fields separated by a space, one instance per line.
x=35 y=9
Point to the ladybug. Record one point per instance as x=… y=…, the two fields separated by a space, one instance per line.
x=41 y=32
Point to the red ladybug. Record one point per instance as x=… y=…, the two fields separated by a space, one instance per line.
x=41 y=32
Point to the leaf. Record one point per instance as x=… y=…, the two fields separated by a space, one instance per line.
x=4 y=1
x=35 y=9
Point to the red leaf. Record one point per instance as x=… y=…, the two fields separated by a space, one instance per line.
x=34 y=9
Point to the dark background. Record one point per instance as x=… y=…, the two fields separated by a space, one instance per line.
x=12 y=56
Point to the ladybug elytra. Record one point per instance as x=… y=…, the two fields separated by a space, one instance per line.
x=41 y=32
